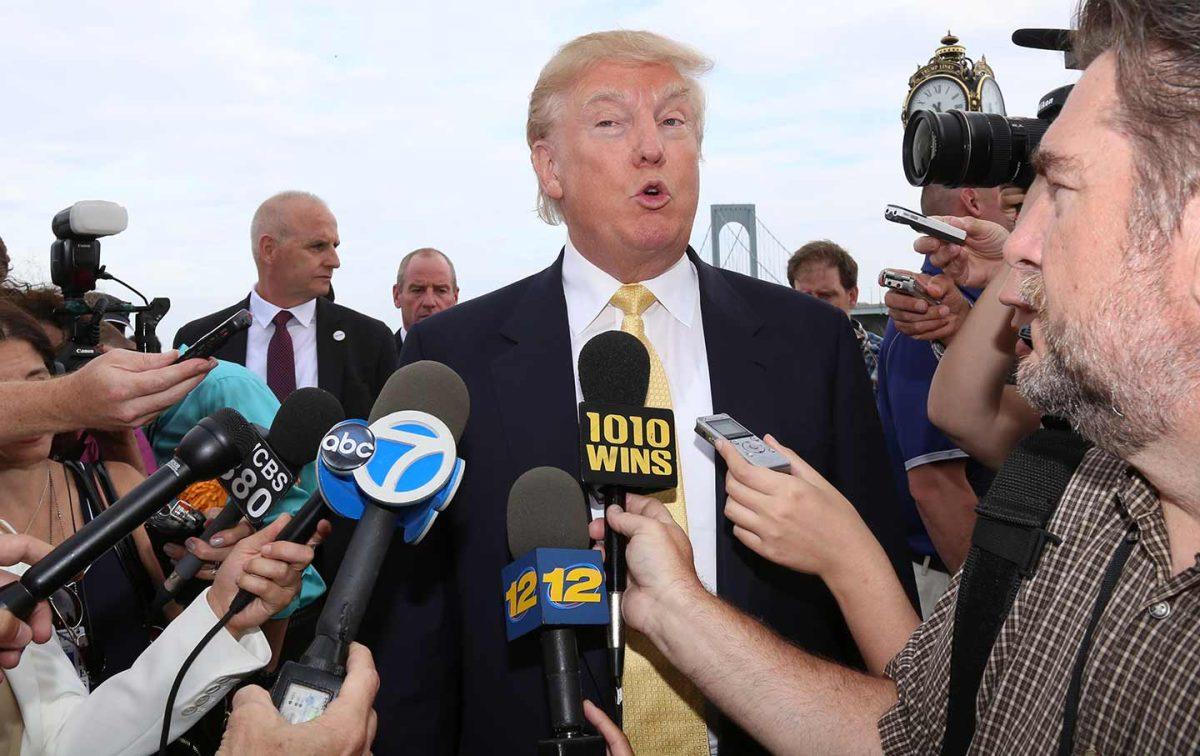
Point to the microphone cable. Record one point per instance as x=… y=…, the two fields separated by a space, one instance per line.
x=165 y=738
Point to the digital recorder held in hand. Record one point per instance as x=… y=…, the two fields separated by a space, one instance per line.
x=924 y=225
x=210 y=342
x=750 y=446
x=905 y=283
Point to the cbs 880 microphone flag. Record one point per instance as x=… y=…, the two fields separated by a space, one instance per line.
x=404 y=461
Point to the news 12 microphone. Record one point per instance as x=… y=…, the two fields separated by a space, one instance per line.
x=216 y=444
x=623 y=446
x=260 y=482
x=555 y=583
x=400 y=470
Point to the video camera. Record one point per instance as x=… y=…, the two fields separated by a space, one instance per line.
x=960 y=148
x=75 y=267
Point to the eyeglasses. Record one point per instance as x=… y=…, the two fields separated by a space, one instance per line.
x=66 y=604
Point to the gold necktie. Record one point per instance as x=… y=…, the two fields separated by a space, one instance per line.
x=664 y=712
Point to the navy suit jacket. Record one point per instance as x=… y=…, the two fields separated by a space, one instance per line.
x=779 y=362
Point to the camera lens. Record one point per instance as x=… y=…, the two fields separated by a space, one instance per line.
x=960 y=148
x=922 y=148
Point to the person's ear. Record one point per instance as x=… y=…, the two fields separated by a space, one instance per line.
x=266 y=248
x=970 y=200
x=546 y=166
x=852 y=293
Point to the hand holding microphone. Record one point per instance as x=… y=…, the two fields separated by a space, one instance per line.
x=268 y=569
x=16 y=634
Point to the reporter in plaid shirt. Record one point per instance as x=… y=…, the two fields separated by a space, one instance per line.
x=1107 y=254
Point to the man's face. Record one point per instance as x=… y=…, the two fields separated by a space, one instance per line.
x=1106 y=304
x=428 y=288
x=623 y=160
x=824 y=283
x=301 y=262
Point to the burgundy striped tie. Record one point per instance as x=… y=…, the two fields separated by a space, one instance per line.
x=281 y=358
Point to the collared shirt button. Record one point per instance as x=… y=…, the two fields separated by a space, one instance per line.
x=1161 y=610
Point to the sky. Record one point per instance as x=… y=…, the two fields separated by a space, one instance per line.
x=409 y=118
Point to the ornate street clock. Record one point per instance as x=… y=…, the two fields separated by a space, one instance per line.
x=952 y=81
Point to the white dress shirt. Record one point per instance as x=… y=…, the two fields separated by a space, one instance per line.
x=676 y=330
x=303 y=330
x=674 y=327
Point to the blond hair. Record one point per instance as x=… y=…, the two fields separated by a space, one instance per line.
x=580 y=54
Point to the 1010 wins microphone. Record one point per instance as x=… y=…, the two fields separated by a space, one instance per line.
x=216 y=444
x=623 y=446
x=264 y=477
x=401 y=470
x=555 y=583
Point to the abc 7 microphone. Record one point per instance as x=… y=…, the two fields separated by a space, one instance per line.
x=399 y=471
x=555 y=584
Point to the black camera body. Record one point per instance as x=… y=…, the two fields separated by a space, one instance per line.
x=75 y=267
x=959 y=148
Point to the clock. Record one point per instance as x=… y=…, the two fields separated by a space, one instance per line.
x=952 y=81
x=991 y=100
x=939 y=94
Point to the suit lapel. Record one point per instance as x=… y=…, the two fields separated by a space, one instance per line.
x=738 y=361
x=331 y=353
x=535 y=381
x=234 y=350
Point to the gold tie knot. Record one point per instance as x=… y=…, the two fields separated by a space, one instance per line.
x=633 y=299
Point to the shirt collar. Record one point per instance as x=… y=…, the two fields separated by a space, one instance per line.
x=263 y=312
x=588 y=289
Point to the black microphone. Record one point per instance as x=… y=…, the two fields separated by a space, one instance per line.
x=216 y=444
x=305 y=687
x=614 y=373
x=546 y=510
x=295 y=435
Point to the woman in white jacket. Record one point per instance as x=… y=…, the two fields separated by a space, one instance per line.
x=124 y=714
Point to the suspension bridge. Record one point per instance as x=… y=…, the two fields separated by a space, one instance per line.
x=738 y=240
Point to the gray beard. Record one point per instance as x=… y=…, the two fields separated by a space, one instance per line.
x=1118 y=379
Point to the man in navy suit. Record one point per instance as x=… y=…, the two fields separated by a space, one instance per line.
x=615 y=127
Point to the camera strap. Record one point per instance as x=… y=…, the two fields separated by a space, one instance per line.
x=1009 y=538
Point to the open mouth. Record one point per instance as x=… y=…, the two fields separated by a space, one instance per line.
x=653 y=195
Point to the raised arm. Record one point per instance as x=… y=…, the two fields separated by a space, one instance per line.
x=789 y=701
x=970 y=399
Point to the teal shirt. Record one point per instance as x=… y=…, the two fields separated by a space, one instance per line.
x=232 y=385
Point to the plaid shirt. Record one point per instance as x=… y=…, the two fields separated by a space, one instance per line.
x=1141 y=681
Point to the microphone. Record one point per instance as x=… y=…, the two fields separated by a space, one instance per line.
x=555 y=583
x=267 y=473
x=213 y=446
x=623 y=445
x=401 y=469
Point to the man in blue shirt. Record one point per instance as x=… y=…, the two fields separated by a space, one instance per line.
x=939 y=484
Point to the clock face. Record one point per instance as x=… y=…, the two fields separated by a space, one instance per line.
x=990 y=98
x=939 y=94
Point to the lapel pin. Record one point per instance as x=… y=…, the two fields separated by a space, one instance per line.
x=339 y=335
